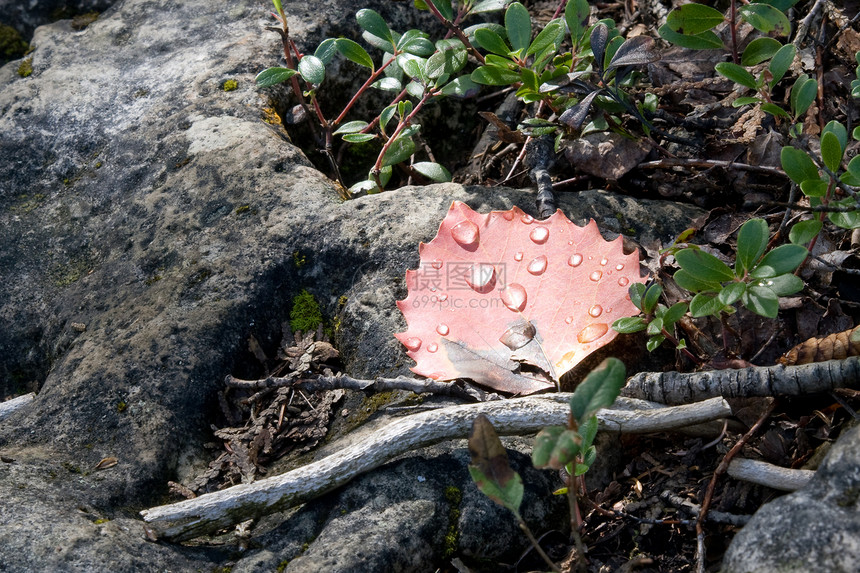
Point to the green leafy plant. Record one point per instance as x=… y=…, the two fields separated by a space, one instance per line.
x=570 y=447
x=658 y=320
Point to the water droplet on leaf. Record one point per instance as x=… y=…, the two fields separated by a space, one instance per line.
x=538 y=265
x=539 y=235
x=437 y=264
x=568 y=320
x=433 y=347
x=481 y=277
x=619 y=267
x=443 y=297
x=412 y=343
x=603 y=261
x=595 y=310
x=575 y=260
x=518 y=256
x=595 y=276
x=442 y=329
x=527 y=219
x=514 y=297
x=592 y=332
x=466 y=234
x=623 y=281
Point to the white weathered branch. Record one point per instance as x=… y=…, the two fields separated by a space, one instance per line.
x=213 y=511
x=769 y=475
x=9 y=406
x=683 y=388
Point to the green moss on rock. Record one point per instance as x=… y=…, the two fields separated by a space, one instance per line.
x=25 y=68
x=306 y=314
x=12 y=45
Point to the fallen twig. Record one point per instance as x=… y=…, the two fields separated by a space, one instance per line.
x=211 y=512
x=769 y=475
x=682 y=388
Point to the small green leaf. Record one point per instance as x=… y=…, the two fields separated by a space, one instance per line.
x=576 y=15
x=599 y=389
x=445 y=62
x=804 y=231
x=326 y=50
x=736 y=73
x=388 y=85
x=400 y=150
x=358 y=137
x=445 y=8
x=386 y=116
x=312 y=69
x=555 y=447
x=629 y=324
x=462 y=87
x=746 y=100
x=518 y=25
x=759 y=50
x=838 y=130
x=849 y=220
x=705 y=305
x=272 y=76
x=780 y=63
x=549 y=38
x=766 y=19
x=752 y=241
x=855 y=133
x=703 y=266
x=852 y=174
x=831 y=151
x=706 y=40
x=494 y=76
x=491 y=42
x=803 y=93
x=783 y=259
x=798 y=165
x=692 y=19
x=374 y=24
x=814 y=187
x=774 y=110
x=652 y=296
x=636 y=292
x=691 y=283
x=588 y=431
x=354 y=53
x=674 y=314
x=783 y=285
x=731 y=293
x=351 y=127
x=432 y=171
x=655 y=327
x=761 y=300
x=488 y=6
x=654 y=343
x=490 y=469
x=367 y=186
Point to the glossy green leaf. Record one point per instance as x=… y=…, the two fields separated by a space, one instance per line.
x=783 y=285
x=674 y=313
x=759 y=50
x=814 y=187
x=798 y=165
x=766 y=19
x=746 y=100
x=651 y=298
x=704 y=266
x=629 y=324
x=377 y=42
x=774 y=110
x=654 y=343
x=752 y=241
x=855 y=133
x=576 y=15
x=445 y=62
x=706 y=40
x=491 y=41
x=852 y=174
x=599 y=389
x=731 y=293
x=358 y=137
x=705 y=305
x=445 y=8
x=518 y=25
x=351 y=127
x=412 y=66
x=472 y=30
x=354 y=53
x=654 y=327
x=588 y=431
x=278 y=6
x=831 y=151
x=494 y=76
x=849 y=220
x=401 y=150
x=462 y=87
x=761 y=300
x=367 y=186
x=781 y=63
x=490 y=469
x=803 y=93
x=432 y=171
x=691 y=283
x=488 y=6
x=374 y=23
x=692 y=19
x=416 y=44
x=555 y=447
x=326 y=50
x=838 y=130
x=737 y=74
x=388 y=85
x=548 y=39
x=386 y=116
x=272 y=76
x=312 y=69
x=783 y=259
x=804 y=231
x=636 y=292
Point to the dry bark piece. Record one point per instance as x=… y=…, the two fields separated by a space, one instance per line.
x=499 y=290
x=836 y=346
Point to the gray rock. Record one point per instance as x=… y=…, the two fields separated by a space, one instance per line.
x=150 y=223
x=816 y=528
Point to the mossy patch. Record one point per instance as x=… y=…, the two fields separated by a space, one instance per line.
x=454 y=496
x=81 y=21
x=12 y=45
x=306 y=314
x=25 y=68
x=230 y=85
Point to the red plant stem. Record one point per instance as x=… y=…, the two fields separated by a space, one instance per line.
x=400 y=127
x=734 y=30
x=373 y=77
x=674 y=341
x=457 y=32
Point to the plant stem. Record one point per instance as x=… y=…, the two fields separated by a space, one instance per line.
x=534 y=541
x=456 y=31
x=734 y=30
x=373 y=77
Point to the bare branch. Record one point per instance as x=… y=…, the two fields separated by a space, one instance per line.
x=769 y=475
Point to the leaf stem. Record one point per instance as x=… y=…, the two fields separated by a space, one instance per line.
x=531 y=536
x=456 y=31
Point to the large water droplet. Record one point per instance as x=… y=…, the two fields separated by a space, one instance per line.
x=481 y=277
x=539 y=235
x=433 y=347
x=518 y=256
x=603 y=261
x=442 y=329
x=538 y=265
x=466 y=234
x=592 y=332
x=619 y=267
x=595 y=276
x=412 y=343
x=514 y=297
x=575 y=260
x=595 y=310
x=623 y=281
x=527 y=219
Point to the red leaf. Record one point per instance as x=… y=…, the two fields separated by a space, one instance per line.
x=496 y=290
